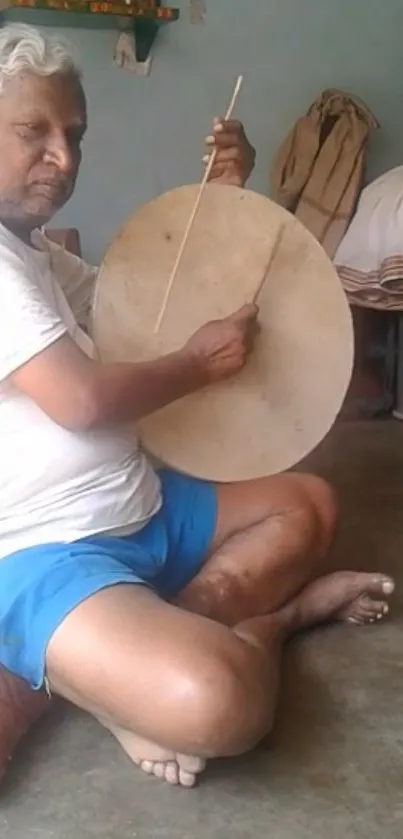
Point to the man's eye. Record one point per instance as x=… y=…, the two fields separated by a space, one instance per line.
x=75 y=138
x=29 y=129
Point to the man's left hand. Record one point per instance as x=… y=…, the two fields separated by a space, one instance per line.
x=235 y=156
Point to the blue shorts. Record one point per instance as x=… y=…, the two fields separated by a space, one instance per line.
x=41 y=585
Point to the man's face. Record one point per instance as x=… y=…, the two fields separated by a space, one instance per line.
x=42 y=123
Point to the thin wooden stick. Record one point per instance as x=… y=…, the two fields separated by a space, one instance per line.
x=273 y=254
x=193 y=213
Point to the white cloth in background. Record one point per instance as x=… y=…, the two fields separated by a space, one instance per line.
x=369 y=260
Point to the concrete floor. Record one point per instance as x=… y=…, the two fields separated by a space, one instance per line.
x=334 y=766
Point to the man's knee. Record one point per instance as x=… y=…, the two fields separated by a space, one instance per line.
x=235 y=705
x=318 y=505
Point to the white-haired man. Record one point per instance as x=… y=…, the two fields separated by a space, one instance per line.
x=156 y=602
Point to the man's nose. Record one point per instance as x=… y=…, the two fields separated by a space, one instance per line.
x=59 y=153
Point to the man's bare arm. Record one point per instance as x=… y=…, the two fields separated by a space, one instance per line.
x=81 y=394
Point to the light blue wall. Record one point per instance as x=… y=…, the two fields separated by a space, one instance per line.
x=146 y=134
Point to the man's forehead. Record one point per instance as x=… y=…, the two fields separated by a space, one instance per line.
x=58 y=97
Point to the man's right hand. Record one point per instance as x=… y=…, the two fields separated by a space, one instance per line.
x=221 y=347
x=84 y=395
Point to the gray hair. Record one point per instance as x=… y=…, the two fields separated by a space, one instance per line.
x=27 y=49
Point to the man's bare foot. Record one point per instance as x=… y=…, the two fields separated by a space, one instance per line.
x=347 y=596
x=174 y=768
x=344 y=596
x=20 y=707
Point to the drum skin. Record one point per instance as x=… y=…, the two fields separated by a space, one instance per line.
x=282 y=404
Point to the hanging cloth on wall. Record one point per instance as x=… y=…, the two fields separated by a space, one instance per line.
x=369 y=260
x=318 y=170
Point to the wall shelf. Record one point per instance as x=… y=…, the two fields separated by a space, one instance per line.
x=142 y=17
x=93 y=10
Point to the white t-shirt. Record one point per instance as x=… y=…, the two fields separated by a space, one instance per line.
x=55 y=484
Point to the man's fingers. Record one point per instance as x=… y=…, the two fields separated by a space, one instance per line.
x=227 y=140
x=232 y=154
x=225 y=132
x=248 y=312
x=223 y=125
x=218 y=169
x=252 y=330
x=228 y=172
x=228 y=176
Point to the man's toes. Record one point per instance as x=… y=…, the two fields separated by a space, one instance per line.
x=159 y=770
x=194 y=765
x=365 y=610
x=182 y=771
x=369 y=608
x=382 y=611
x=189 y=768
x=172 y=773
x=186 y=779
x=382 y=584
x=163 y=771
x=355 y=621
x=379 y=609
x=147 y=766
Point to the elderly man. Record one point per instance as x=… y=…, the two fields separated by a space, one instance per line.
x=156 y=602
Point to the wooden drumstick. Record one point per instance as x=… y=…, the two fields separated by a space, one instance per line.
x=273 y=254
x=194 y=212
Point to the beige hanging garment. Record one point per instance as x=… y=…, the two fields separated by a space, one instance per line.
x=318 y=170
